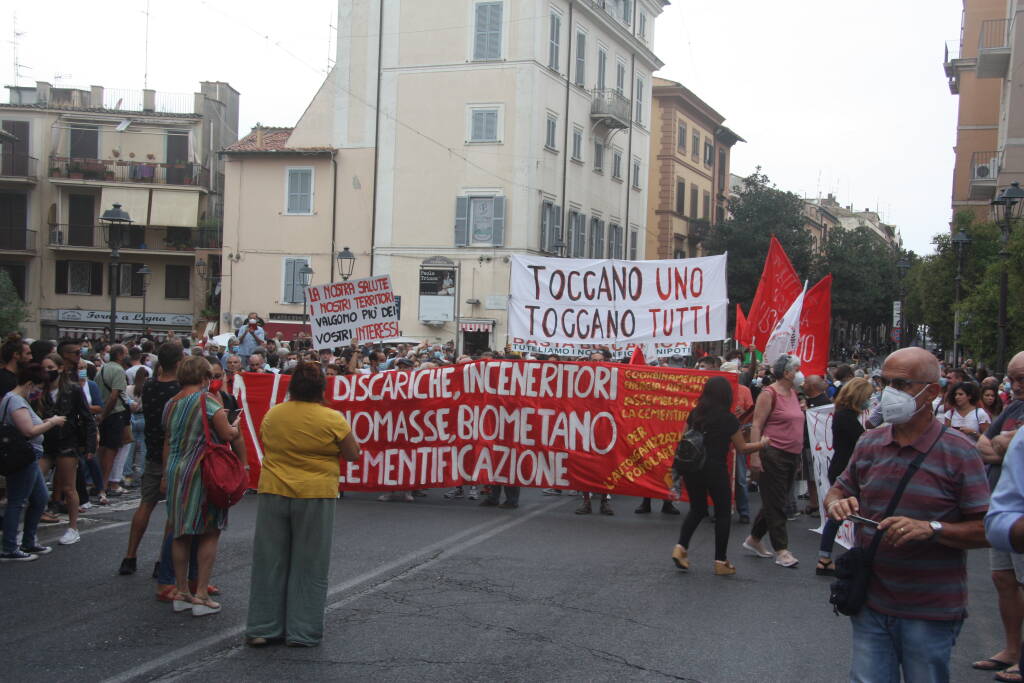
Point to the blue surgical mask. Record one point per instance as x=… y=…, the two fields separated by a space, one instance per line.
x=1006 y=387
x=234 y=349
x=83 y=374
x=943 y=381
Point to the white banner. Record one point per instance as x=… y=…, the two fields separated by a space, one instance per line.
x=786 y=336
x=352 y=311
x=819 y=428
x=619 y=351
x=577 y=301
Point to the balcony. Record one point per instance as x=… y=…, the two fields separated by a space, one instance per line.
x=134 y=172
x=984 y=172
x=611 y=108
x=994 y=48
x=134 y=239
x=17 y=167
x=17 y=239
x=951 y=65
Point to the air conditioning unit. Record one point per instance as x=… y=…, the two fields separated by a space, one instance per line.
x=237 y=322
x=988 y=170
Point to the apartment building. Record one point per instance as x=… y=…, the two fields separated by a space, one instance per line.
x=72 y=154
x=463 y=132
x=832 y=215
x=689 y=171
x=990 y=119
x=820 y=219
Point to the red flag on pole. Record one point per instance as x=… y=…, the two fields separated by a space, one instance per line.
x=742 y=334
x=638 y=357
x=778 y=289
x=816 y=328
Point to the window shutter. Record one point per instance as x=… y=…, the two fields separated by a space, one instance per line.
x=498 y=222
x=581 y=59
x=581 y=237
x=61 y=284
x=96 y=286
x=136 y=279
x=461 y=221
x=494 y=34
x=480 y=37
x=545 y=217
x=289 y=280
x=477 y=131
x=556 y=228
x=599 y=253
x=487 y=35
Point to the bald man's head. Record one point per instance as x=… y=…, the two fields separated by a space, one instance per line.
x=1015 y=371
x=814 y=385
x=918 y=362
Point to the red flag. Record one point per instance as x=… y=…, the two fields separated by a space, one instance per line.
x=638 y=356
x=742 y=334
x=816 y=328
x=778 y=289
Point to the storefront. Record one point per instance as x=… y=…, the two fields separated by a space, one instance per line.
x=477 y=335
x=86 y=324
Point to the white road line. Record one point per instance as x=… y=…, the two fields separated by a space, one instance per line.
x=445 y=548
x=115 y=525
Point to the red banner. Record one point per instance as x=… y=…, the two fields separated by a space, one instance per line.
x=599 y=427
x=779 y=287
x=816 y=328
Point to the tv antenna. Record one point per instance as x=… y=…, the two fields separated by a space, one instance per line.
x=15 y=41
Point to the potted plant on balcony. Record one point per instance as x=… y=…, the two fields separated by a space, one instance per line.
x=76 y=171
x=178 y=239
x=55 y=172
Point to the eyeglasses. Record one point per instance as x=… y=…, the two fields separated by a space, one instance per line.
x=899 y=383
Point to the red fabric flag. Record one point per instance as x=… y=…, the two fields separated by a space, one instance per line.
x=778 y=289
x=638 y=357
x=816 y=328
x=742 y=334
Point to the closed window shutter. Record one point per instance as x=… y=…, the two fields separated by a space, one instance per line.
x=556 y=28
x=498 y=222
x=581 y=237
x=96 y=285
x=136 y=279
x=461 y=221
x=299 y=191
x=289 y=280
x=556 y=228
x=61 y=281
x=545 y=217
x=491 y=125
x=487 y=38
x=581 y=59
x=477 y=132
x=599 y=252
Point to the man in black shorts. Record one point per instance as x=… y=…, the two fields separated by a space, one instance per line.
x=156 y=392
x=113 y=419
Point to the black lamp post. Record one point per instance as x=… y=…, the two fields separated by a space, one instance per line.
x=346 y=263
x=115 y=219
x=1007 y=207
x=902 y=266
x=961 y=241
x=146 y=274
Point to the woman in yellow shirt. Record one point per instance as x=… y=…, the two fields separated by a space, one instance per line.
x=303 y=444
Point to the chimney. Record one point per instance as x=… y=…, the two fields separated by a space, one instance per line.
x=42 y=91
x=96 y=96
x=197 y=102
x=149 y=100
x=259 y=136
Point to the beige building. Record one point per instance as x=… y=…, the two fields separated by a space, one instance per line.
x=831 y=214
x=689 y=171
x=990 y=123
x=486 y=128
x=72 y=155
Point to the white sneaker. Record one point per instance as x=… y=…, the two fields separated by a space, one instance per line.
x=473 y=494
x=85 y=506
x=784 y=558
x=70 y=537
x=755 y=547
x=385 y=497
x=408 y=497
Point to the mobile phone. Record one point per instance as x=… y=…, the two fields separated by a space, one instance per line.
x=233 y=415
x=857 y=519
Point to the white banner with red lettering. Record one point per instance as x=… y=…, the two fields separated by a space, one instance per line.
x=577 y=301
x=362 y=310
x=819 y=429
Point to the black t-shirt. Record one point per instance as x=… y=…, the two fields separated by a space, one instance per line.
x=8 y=381
x=718 y=428
x=155 y=396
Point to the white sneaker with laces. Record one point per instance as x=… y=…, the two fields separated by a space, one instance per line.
x=755 y=547
x=70 y=537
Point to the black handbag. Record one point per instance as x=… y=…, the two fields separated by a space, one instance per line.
x=16 y=453
x=690 y=452
x=849 y=591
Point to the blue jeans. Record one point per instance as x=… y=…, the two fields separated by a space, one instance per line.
x=742 y=497
x=25 y=487
x=828 y=537
x=135 y=461
x=883 y=645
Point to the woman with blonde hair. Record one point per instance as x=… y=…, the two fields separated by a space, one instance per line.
x=851 y=403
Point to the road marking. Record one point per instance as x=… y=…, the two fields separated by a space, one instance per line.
x=443 y=549
x=104 y=527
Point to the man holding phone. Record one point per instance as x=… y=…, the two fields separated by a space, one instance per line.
x=917 y=594
x=250 y=336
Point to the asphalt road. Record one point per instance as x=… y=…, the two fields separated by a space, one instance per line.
x=447 y=590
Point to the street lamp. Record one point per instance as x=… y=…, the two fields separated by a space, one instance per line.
x=346 y=263
x=961 y=241
x=1007 y=207
x=305 y=274
x=902 y=266
x=146 y=274
x=115 y=219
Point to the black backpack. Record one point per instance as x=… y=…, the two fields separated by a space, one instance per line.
x=16 y=453
x=690 y=453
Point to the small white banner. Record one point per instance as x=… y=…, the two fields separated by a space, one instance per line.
x=353 y=311
x=819 y=429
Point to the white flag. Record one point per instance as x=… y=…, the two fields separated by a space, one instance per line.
x=786 y=336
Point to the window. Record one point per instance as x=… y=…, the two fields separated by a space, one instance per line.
x=620 y=77
x=292 y=285
x=581 y=59
x=176 y=282
x=709 y=154
x=634 y=242
x=550 y=139
x=84 y=142
x=636 y=173
x=598 y=157
x=680 y=197
x=615 y=241
x=300 y=191
x=577 y=143
x=723 y=170
x=479 y=220
x=695 y=145
x=681 y=142
x=639 y=101
x=617 y=164
x=487 y=33
x=596 y=241
x=707 y=206
x=602 y=67
x=694 y=194
x=16 y=273
x=642 y=26
x=483 y=125
x=79 y=277
x=550 y=227
x=129 y=281
x=627 y=12
x=576 y=236
x=555 y=37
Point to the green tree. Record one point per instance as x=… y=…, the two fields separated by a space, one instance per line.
x=760 y=211
x=864 y=277
x=12 y=308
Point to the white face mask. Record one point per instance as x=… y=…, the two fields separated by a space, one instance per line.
x=899 y=407
x=798 y=379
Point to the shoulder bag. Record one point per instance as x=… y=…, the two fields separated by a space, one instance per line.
x=690 y=452
x=849 y=591
x=16 y=453
x=224 y=476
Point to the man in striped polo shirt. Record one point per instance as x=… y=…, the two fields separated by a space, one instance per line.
x=917 y=597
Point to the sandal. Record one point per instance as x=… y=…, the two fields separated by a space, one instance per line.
x=49 y=518
x=991 y=664
x=1009 y=676
x=167 y=593
x=825 y=567
x=182 y=602
x=210 y=589
x=201 y=607
x=103 y=499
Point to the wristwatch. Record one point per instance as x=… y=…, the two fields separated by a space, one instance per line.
x=936 y=528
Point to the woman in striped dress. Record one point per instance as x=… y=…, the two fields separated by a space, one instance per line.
x=191 y=519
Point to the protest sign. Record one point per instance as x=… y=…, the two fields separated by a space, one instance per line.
x=600 y=427
x=618 y=351
x=576 y=301
x=362 y=310
x=819 y=429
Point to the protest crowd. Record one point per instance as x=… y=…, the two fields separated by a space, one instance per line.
x=103 y=417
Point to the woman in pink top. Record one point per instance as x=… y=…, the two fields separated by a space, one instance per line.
x=778 y=416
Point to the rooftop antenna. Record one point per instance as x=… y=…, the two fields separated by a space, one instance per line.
x=332 y=32
x=145 y=64
x=15 y=40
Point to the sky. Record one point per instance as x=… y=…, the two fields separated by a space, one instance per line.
x=840 y=97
